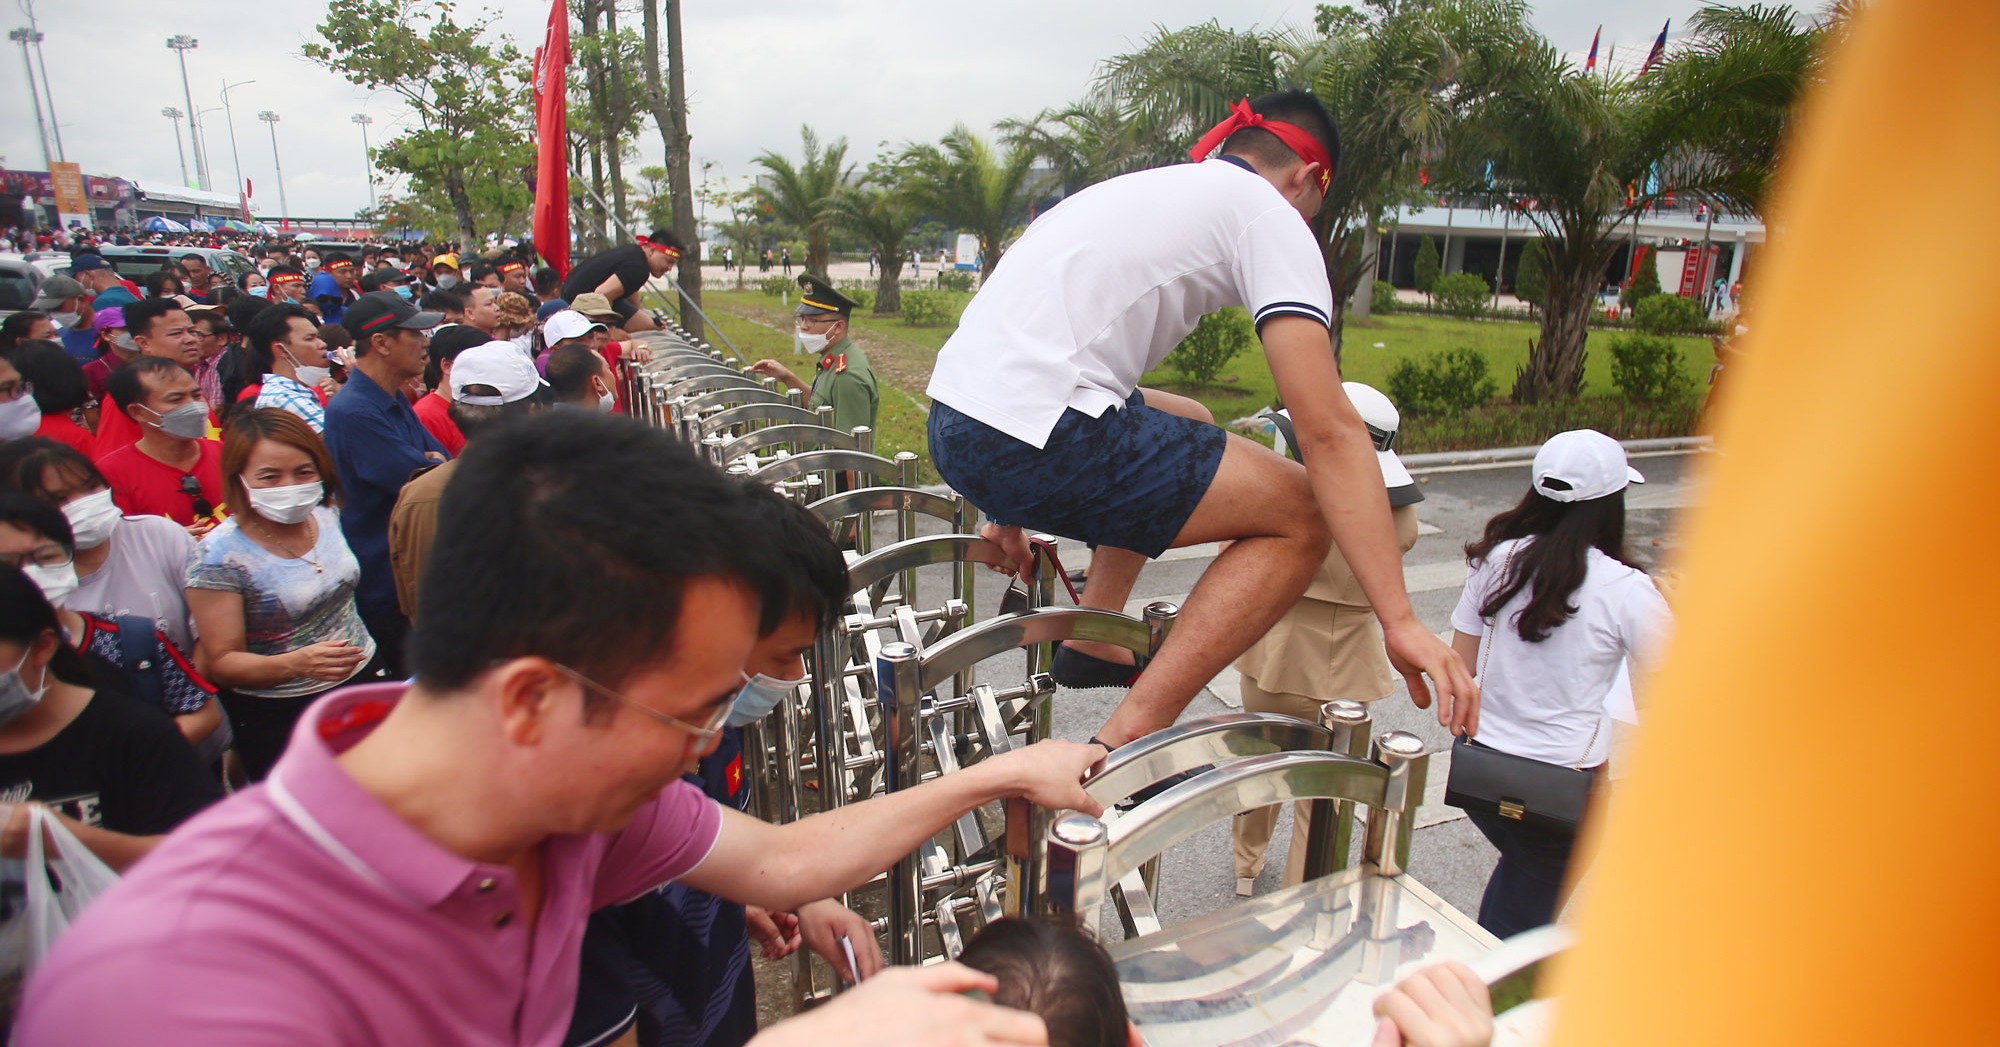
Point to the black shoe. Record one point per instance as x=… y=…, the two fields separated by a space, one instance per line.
x=1081 y=671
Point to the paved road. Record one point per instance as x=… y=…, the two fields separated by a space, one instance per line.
x=1448 y=854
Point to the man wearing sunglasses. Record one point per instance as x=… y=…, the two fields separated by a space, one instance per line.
x=420 y=864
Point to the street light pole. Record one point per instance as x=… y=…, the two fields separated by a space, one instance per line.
x=175 y=115
x=362 y=120
x=229 y=117
x=182 y=44
x=24 y=37
x=55 y=126
x=284 y=209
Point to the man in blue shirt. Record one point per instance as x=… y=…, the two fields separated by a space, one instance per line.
x=377 y=442
x=334 y=287
x=68 y=304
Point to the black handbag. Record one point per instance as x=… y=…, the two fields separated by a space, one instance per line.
x=1544 y=795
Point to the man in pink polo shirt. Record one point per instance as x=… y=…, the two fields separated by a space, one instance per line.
x=419 y=865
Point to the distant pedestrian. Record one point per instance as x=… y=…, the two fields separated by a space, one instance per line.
x=871 y=263
x=785 y=257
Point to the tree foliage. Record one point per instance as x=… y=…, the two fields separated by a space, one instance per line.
x=1426 y=268
x=800 y=195
x=468 y=98
x=1531 y=277
x=1216 y=339
x=971 y=184
x=881 y=212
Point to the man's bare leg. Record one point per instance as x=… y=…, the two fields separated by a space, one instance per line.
x=641 y=320
x=1263 y=504
x=1113 y=572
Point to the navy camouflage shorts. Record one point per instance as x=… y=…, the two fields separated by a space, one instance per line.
x=1129 y=479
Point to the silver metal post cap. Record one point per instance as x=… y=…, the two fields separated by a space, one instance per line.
x=1401 y=743
x=1077 y=829
x=898 y=650
x=1163 y=609
x=1343 y=711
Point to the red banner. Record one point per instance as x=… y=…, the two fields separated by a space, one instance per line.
x=551 y=141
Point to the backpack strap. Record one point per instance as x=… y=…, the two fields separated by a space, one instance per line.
x=1283 y=423
x=138 y=655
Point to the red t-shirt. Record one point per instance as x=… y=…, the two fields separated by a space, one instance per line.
x=145 y=486
x=435 y=412
x=59 y=427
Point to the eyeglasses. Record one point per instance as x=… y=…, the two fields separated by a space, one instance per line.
x=191 y=487
x=804 y=322
x=56 y=556
x=14 y=391
x=702 y=732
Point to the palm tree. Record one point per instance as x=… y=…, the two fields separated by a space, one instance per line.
x=968 y=183
x=881 y=211
x=1084 y=142
x=800 y=195
x=1576 y=156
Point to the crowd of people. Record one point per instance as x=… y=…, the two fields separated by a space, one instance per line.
x=359 y=537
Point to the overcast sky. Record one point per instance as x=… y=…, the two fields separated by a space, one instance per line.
x=873 y=70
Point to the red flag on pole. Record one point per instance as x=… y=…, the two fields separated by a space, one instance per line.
x=1591 y=62
x=552 y=141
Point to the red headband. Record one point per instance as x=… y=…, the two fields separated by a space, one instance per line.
x=1297 y=140
x=670 y=252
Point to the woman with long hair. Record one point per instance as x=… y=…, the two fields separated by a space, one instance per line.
x=1552 y=607
x=272 y=587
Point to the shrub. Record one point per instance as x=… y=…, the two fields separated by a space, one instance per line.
x=928 y=308
x=1426 y=265
x=1462 y=294
x=1650 y=369
x=1442 y=383
x=1667 y=314
x=1382 y=299
x=1526 y=425
x=1215 y=341
x=1645 y=283
x=777 y=285
x=954 y=280
x=1531 y=278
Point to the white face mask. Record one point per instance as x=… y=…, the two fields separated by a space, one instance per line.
x=286 y=505
x=608 y=402
x=56 y=583
x=15 y=697
x=809 y=343
x=525 y=341
x=446 y=280
x=92 y=517
x=310 y=377
x=123 y=340
x=66 y=321
x=19 y=417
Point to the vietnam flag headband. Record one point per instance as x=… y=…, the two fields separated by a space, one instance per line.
x=673 y=253
x=1295 y=138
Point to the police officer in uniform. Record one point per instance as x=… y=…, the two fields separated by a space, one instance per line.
x=843 y=379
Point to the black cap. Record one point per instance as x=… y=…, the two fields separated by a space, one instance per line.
x=386 y=276
x=818 y=298
x=378 y=311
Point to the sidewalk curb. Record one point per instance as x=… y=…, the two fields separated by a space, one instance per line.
x=1504 y=455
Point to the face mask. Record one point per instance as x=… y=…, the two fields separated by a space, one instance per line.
x=809 y=343
x=409 y=293
x=67 y=321
x=19 y=417
x=260 y=291
x=189 y=421
x=123 y=340
x=286 y=505
x=92 y=517
x=310 y=377
x=312 y=263
x=56 y=583
x=447 y=281
x=15 y=697
x=525 y=341
x=265 y=265
x=399 y=263
x=757 y=698
x=608 y=402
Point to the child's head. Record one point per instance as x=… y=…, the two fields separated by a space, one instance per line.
x=1058 y=973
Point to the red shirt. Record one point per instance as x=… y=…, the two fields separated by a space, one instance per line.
x=97 y=371
x=145 y=486
x=59 y=427
x=435 y=412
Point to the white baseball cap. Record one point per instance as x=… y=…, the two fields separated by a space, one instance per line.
x=1582 y=464
x=567 y=324
x=1379 y=414
x=501 y=365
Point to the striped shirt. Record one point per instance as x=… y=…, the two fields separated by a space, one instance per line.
x=280 y=391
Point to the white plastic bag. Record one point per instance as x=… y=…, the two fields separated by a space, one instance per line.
x=62 y=881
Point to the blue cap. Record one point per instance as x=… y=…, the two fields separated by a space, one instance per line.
x=550 y=308
x=84 y=263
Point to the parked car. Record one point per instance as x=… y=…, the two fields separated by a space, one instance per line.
x=137 y=262
x=21 y=277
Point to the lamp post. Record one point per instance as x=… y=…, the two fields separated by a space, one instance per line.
x=362 y=120
x=49 y=95
x=175 y=115
x=229 y=117
x=284 y=209
x=24 y=37
x=182 y=44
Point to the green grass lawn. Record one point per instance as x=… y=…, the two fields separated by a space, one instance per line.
x=903 y=355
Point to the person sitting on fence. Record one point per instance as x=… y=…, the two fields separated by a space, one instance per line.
x=620 y=273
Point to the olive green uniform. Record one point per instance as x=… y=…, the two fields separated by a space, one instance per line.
x=845 y=383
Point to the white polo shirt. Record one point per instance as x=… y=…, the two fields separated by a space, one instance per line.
x=1103 y=286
